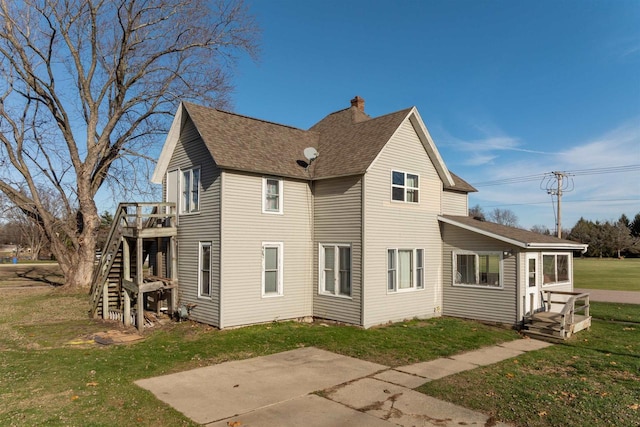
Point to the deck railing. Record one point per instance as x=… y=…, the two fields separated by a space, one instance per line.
x=573 y=303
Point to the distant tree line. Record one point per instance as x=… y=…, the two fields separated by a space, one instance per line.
x=619 y=238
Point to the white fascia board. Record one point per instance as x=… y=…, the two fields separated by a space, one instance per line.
x=430 y=146
x=483 y=232
x=169 y=145
x=540 y=246
x=559 y=246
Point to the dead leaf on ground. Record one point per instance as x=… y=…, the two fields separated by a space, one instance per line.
x=635 y=406
x=234 y=423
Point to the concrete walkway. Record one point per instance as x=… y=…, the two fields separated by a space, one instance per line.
x=317 y=388
x=621 y=297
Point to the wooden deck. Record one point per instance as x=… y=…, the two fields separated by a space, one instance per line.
x=560 y=324
x=122 y=284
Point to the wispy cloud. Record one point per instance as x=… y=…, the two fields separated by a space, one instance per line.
x=593 y=196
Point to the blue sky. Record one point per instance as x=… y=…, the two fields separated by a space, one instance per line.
x=506 y=88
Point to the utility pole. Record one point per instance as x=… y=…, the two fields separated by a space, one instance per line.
x=559 y=176
x=558 y=188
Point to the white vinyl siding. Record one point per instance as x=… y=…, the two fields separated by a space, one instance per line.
x=337 y=219
x=193 y=229
x=244 y=229
x=487 y=303
x=391 y=224
x=455 y=203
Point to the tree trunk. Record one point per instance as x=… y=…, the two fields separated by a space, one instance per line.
x=77 y=265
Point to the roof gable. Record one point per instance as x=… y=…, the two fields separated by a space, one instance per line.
x=348 y=142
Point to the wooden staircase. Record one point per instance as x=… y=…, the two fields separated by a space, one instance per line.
x=120 y=280
x=555 y=324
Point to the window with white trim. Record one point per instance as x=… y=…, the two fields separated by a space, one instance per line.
x=335 y=269
x=405 y=187
x=555 y=268
x=204 y=277
x=271 y=269
x=481 y=269
x=272 y=195
x=405 y=269
x=190 y=201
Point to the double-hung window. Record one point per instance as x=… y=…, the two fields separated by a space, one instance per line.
x=405 y=187
x=405 y=269
x=477 y=269
x=204 y=278
x=555 y=268
x=190 y=201
x=272 y=195
x=272 y=271
x=335 y=269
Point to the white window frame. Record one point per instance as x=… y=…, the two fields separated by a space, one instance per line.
x=279 y=246
x=405 y=187
x=393 y=271
x=569 y=268
x=280 y=195
x=201 y=246
x=187 y=203
x=477 y=284
x=335 y=268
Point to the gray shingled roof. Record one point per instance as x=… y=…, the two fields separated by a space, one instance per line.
x=526 y=238
x=348 y=147
x=247 y=144
x=348 y=141
x=460 y=185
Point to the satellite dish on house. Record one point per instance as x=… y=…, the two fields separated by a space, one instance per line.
x=310 y=153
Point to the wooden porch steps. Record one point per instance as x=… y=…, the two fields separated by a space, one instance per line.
x=558 y=325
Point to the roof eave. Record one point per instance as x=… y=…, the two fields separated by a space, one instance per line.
x=525 y=245
x=431 y=148
x=483 y=232
x=169 y=145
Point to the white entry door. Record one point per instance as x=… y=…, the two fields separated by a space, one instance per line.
x=532 y=292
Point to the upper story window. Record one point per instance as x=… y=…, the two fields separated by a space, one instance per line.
x=335 y=269
x=405 y=269
x=272 y=195
x=190 y=201
x=405 y=187
x=477 y=269
x=555 y=268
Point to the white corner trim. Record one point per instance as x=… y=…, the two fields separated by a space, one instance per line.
x=169 y=145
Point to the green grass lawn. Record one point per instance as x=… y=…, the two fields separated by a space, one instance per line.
x=607 y=273
x=49 y=374
x=591 y=379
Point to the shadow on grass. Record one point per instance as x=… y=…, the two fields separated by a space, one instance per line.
x=39 y=276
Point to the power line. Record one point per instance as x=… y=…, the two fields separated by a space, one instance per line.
x=564 y=201
x=540 y=176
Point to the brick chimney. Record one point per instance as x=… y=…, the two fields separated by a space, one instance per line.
x=358 y=103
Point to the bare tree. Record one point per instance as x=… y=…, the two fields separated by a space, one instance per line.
x=476 y=212
x=504 y=217
x=87 y=87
